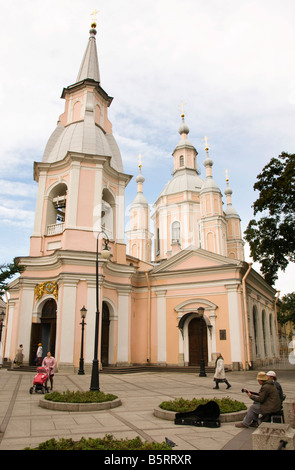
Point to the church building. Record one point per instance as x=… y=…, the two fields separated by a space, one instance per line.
x=166 y=298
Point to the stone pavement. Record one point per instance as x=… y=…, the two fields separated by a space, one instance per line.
x=23 y=423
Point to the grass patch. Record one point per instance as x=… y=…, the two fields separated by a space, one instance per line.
x=79 y=397
x=106 y=443
x=181 y=405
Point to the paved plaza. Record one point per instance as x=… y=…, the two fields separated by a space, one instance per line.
x=25 y=424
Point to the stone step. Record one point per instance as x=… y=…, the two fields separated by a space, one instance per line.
x=125 y=370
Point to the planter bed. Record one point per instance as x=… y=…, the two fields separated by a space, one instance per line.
x=62 y=406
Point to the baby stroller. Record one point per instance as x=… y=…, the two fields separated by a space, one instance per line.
x=40 y=380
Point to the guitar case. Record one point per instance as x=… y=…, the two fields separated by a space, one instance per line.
x=207 y=415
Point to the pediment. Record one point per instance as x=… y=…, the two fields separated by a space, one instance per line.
x=194 y=258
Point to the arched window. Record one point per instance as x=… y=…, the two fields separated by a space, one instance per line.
x=181 y=161
x=108 y=213
x=255 y=328
x=264 y=329
x=56 y=209
x=175 y=232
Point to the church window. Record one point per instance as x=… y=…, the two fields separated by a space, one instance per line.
x=158 y=242
x=176 y=232
x=107 y=213
x=56 y=209
x=181 y=161
x=222 y=335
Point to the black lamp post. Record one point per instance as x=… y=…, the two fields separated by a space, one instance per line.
x=83 y=312
x=94 y=385
x=202 y=362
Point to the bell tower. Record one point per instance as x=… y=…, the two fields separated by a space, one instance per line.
x=81 y=183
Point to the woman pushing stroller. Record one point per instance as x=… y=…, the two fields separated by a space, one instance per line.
x=49 y=362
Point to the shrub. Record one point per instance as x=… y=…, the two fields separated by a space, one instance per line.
x=106 y=443
x=79 y=397
x=181 y=405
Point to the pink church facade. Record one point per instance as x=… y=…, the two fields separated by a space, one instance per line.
x=153 y=306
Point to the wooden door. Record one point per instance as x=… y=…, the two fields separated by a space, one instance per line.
x=105 y=327
x=195 y=348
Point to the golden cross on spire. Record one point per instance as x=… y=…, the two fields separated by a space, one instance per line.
x=226 y=176
x=139 y=158
x=206 y=143
x=181 y=105
x=93 y=14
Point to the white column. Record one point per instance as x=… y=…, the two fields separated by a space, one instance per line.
x=67 y=323
x=161 y=326
x=234 y=322
x=123 y=327
x=90 y=322
x=25 y=321
x=97 y=200
x=9 y=322
x=120 y=214
x=39 y=204
x=72 y=201
x=212 y=333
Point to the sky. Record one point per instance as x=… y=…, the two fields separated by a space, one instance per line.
x=231 y=64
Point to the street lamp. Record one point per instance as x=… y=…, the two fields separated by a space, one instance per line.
x=94 y=385
x=202 y=362
x=83 y=312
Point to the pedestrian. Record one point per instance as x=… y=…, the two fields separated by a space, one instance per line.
x=19 y=357
x=219 y=375
x=39 y=355
x=267 y=401
x=49 y=362
x=273 y=376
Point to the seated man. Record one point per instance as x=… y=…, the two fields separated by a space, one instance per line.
x=267 y=401
x=273 y=376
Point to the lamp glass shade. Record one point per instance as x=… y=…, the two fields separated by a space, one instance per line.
x=83 y=312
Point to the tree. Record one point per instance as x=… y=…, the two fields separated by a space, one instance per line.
x=286 y=311
x=7 y=271
x=272 y=237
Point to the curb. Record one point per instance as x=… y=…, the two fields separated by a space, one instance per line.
x=224 y=418
x=58 y=406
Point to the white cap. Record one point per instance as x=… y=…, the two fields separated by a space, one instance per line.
x=271 y=373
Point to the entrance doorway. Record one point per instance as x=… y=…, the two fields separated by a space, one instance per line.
x=194 y=337
x=45 y=331
x=105 y=328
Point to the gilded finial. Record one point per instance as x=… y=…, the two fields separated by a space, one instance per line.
x=226 y=176
x=182 y=108
x=206 y=143
x=93 y=22
x=139 y=158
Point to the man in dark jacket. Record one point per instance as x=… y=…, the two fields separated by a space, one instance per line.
x=267 y=401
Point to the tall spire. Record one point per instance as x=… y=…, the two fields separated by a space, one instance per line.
x=184 y=153
x=228 y=192
x=89 y=67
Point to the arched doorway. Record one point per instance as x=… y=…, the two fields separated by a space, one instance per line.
x=45 y=331
x=48 y=326
x=195 y=333
x=105 y=327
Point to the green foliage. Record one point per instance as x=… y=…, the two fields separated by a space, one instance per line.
x=106 y=443
x=79 y=397
x=286 y=310
x=182 y=405
x=272 y=237
x=7 y=271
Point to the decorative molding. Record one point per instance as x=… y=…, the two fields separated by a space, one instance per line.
x=47 y=287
